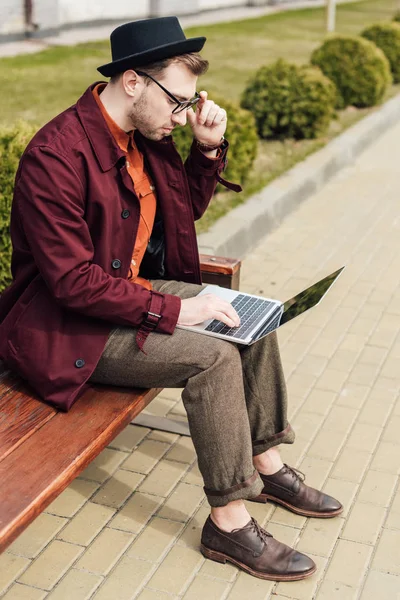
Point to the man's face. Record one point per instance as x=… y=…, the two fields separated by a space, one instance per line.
x=151 y=110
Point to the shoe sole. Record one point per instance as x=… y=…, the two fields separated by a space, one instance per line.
x=263 y=498
x=224 y=558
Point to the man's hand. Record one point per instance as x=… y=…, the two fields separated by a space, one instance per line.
x=200 y=308
x=209 y=121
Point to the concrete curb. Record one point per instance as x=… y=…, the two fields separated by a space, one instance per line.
x=242 y=228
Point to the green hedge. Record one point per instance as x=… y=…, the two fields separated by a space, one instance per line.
x=360 y=70
x=290 y=101
x=242 y=136
x=387 y=37
x=396 y=16
x=13 y=141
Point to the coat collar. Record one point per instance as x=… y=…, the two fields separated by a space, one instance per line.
x=105 y=147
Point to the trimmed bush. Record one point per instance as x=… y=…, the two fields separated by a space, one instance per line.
x=242 y=136
x=13 y=141
x=396 y=16
x=360 y=70
x=387 y=37
x=290 y=101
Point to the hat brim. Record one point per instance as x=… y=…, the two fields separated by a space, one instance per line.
x=153 y=55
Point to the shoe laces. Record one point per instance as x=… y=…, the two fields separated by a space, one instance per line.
x=295 y=473
x=262 y=534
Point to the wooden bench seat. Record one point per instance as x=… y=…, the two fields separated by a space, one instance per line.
x=43 y=450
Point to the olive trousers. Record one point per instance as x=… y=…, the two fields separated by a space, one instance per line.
x=234 y=395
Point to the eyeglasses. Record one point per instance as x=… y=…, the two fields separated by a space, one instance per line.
x=181 y=106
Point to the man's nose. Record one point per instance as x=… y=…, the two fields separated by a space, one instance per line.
x=180 y=118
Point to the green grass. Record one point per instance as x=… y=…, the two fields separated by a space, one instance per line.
x=36 y=87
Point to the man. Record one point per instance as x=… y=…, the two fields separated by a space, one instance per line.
x=105 y=265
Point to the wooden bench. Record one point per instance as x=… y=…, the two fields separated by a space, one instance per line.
x=42 y=450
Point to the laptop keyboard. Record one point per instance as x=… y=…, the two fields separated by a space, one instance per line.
x=250 y=311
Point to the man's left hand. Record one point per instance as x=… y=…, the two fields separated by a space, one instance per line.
x=208 y=122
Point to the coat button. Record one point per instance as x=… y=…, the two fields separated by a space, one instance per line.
x=116 y=264
x=80 y=363
x=125 y=213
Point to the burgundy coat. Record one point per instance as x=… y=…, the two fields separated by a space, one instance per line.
x=74 y=222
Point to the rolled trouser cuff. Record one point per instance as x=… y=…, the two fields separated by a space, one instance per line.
x=249 y=488
x=286 y=436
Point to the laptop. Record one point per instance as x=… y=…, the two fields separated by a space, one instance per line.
x=260 y=316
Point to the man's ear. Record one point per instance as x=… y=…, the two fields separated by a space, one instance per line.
x=129 y=81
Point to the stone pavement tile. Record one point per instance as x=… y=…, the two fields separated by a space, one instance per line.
x=39 y=533
x=177 y=570
x=323 y=347
x=351 y=464
x=377 y=488
x=316 y=470
x=72 y=498
x=364 y=437
x=11 y=567
x=247 y=586
x=332 y=380
x=305 y=334
x=375 y=413
x=344 y=491
x=155 y=540
x=84 y=527
x=77 y=585
x=118 y=488
x=391 y=432
x=319 y=402
x=126 y=580
x=352 y=342
x=163 y=478
x=364 y=523
x=327 y=444
x=190 y=537
x=149 y=594
x=193 y=476
x=320 y=536
x=306 y=424
x=343 y=360
x=372 y=355
x=387 y=555
x=182 y=451
x=216 y=570
x=178 y=409
x=378 y=584
x=352 y=395
x=332 y=590
x=340 y=418
x=159 y=406
x=292 y=454
x=129 y=438
x=386 y=458
x=300 y=384
x=312 y=365
x=393 y=519
x=52 y=564
x=163 y=436
x=304 y=589
x=182 y=503
x=103 y=553
x=145 y=457
x=286 y=535
x=171 y=393
x=345 y=570
x=363 y=327
x=216 y=590
x=364 y=374
x=23 y=592
x=136 y=512
x=262 y=513
x=281 y=516
x=104 y=465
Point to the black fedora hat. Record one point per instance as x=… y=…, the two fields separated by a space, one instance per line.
x=141 y=42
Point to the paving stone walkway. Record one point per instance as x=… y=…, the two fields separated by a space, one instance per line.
x=129 y=527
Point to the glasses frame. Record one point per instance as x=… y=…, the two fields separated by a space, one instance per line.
x=181 y=106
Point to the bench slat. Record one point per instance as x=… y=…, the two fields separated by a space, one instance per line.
x=35 y=473
x=21 y=414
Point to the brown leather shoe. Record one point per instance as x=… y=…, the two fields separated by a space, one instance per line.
x=254 y=550
x=287 y=487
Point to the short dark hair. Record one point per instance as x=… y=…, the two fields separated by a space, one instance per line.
x=193 y=61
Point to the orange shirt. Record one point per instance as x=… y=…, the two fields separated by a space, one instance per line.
x=143 y=187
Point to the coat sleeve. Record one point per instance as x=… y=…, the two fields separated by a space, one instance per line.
x=50 y=200
x=203 y=175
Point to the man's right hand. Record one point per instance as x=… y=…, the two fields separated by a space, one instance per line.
x=208 y=306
